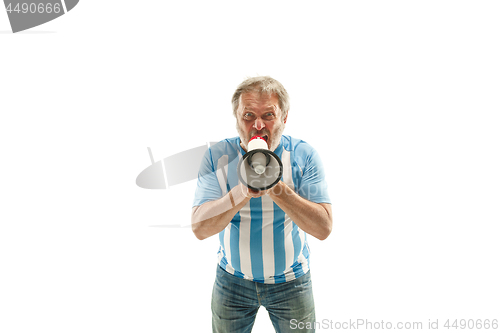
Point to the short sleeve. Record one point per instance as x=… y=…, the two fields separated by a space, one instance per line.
x=313 y=186
x=208 y=188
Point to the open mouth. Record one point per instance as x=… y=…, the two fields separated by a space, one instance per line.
x=263 y=136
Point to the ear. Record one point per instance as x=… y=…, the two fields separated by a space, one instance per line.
x=284 y=120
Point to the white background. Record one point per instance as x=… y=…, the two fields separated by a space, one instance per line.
x=401 y=99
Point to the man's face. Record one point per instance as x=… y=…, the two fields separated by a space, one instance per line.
x=259 y=114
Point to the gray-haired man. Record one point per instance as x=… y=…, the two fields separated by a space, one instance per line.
x=263 y=253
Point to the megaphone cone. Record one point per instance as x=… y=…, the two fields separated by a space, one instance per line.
x=259 y=169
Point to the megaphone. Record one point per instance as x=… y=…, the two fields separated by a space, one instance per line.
x=259 y=169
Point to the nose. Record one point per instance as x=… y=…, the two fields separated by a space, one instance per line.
x=259 y=124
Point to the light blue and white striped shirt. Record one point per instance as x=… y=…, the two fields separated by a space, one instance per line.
x=261 y=243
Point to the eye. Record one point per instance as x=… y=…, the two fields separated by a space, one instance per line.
x=269 y=115
x=248 y=115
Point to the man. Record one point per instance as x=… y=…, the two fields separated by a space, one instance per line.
x=263 y=253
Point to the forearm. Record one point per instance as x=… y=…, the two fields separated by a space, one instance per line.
x=313 y=218
x=213 y=216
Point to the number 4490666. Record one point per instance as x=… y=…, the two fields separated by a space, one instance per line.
x=34 y=8
x=471 y=324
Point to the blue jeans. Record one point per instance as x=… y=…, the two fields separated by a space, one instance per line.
x=235 y=302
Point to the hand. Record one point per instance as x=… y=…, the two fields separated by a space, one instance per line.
x=256 y=194
x=251 y=193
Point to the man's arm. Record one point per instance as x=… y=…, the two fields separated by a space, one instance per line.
x=313 y=218
x=212 y=217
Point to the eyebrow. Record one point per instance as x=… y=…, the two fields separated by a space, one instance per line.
x=270 y=108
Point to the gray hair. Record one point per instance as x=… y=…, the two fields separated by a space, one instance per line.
x=262 y=84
